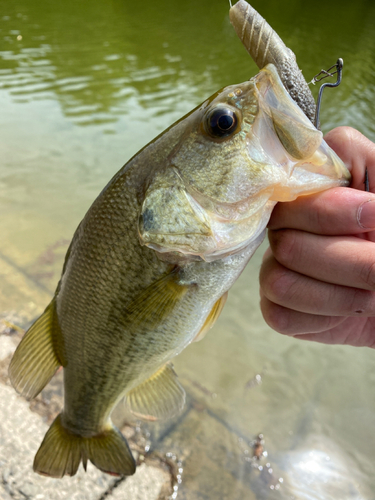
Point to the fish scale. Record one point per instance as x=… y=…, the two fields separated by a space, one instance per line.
x=150 y=265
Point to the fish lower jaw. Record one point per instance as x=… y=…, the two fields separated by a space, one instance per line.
x=226 y=238
x=175 y=256
x=181 y=246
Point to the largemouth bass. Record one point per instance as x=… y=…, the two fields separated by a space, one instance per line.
x=150 y=265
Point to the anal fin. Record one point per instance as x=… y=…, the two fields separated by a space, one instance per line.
x=212 y=317
x=160 y=397
x=35 y=361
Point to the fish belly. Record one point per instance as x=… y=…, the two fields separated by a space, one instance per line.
x=122 y=356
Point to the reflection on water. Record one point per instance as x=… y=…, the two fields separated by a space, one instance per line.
x=83 y=86
x=145 y=51
x=94 y=58
x=322 y=472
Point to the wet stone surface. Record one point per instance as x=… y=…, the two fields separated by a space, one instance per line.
x=161 y=449
x=21 y=432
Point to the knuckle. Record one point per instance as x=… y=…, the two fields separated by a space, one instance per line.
x=342 y=135
x=276 y=284
x=368 y=275
x=319 y=216
x=361 y=302
x=277 y=317
x=283 y=244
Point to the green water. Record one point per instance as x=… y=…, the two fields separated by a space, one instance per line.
x=83 y=86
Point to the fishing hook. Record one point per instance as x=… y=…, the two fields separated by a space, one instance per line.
x=339 y=65
x=317 y=78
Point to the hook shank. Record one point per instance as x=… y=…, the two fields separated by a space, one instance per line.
x=339 y=65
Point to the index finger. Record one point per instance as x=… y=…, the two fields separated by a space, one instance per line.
x=337 y=211
x=356 y=151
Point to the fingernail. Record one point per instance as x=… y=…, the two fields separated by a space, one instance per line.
x=366 y=215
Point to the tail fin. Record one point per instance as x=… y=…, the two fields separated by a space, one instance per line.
x=62 y=451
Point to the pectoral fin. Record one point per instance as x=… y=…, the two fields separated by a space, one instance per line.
x=156 y=302
x=38 y=356
x=159 y=397
x=212 y=317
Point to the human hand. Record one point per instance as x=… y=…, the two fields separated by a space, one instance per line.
x=317 y=280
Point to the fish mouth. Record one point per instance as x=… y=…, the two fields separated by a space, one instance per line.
x=300 y=162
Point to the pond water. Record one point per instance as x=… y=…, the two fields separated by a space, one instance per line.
x=83 y=86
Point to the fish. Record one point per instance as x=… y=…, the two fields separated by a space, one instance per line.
x=150 y=265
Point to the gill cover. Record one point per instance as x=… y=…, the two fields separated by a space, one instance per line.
x=244 y=149
x=171 y=219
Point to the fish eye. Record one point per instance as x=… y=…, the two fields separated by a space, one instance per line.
x=221 y=122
